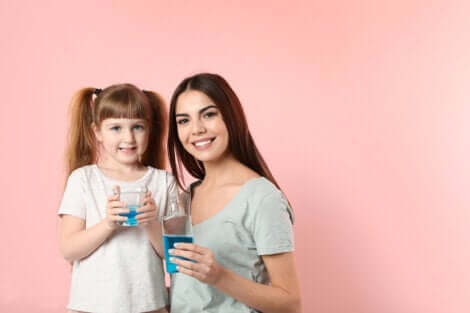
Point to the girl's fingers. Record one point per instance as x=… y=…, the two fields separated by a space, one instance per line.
x=118 y=218
x=113 y=198
x=148 y=201
x=116 y=204
x=145 y=216
x=118 y=211
x=147 y=208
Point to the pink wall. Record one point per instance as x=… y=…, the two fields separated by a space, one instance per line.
x=360 y=108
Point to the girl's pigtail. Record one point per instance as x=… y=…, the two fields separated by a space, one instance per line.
x=155 y=153
x=81 y=143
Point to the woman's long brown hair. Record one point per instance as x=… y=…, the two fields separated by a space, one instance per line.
x=241 y=143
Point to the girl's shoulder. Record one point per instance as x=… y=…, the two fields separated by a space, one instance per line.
x=82 y=173
x=161 y=175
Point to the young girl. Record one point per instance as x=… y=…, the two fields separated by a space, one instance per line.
x=116 y=141
x=242 y=259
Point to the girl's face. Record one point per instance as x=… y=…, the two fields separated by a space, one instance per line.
x=123 y=140
x=201 y=128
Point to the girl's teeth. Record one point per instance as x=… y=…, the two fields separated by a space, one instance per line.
x=202 y=143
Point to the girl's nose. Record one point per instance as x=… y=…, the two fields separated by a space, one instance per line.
x=129 y=136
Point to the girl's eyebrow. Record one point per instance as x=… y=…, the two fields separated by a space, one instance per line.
x=200 y=111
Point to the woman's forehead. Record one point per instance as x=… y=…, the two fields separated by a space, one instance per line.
x=192 y=100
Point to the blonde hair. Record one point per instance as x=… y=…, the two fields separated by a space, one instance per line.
x=116 y=101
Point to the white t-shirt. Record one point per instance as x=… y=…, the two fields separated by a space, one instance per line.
x=124 y=274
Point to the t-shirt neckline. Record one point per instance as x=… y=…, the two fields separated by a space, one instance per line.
x=236 y=196
x=123 y=182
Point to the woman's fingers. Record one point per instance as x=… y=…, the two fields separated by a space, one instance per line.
x=191 y=255
x=189 y=272
x=192 y=247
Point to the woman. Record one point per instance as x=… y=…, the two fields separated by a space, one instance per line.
x=242 y=259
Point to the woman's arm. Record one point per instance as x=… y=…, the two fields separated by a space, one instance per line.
x=282 y=296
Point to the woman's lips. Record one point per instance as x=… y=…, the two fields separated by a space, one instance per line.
x=203 y=144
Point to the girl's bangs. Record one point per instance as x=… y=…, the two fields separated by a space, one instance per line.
x=123 y=109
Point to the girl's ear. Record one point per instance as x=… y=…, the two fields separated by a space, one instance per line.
x=97 y=132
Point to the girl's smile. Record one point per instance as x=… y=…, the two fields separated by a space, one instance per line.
x=122 y=140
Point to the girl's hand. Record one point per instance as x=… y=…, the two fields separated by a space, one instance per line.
x=113 y=208
x=148 y=212
x=203 y=265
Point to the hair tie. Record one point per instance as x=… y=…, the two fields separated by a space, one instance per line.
x=97 y=91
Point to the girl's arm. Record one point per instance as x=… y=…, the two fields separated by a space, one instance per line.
x=148 y=220
x=154 y=234
x=76 y=242
x=282 y=296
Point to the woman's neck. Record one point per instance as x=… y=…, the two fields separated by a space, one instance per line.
x=228 y=170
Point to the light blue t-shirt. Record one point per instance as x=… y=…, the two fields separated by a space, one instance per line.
x=257 y=221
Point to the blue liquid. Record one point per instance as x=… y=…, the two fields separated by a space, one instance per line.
x=131 y=221
x=168 y=243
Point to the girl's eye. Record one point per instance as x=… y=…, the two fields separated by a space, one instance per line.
x=116 y=128
x=139 y=127
x=182 y=121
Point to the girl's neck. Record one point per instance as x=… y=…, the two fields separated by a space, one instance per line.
x=118 y=171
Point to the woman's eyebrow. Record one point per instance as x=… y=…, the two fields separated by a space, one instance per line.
x=207 y=108
x=200 y=111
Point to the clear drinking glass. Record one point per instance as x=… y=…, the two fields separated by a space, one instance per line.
x=133 y=197
x=176 y=226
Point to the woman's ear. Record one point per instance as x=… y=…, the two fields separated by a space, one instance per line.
x=97 y=132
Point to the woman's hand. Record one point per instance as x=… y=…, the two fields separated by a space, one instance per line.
x=147 y=214
x=114 y=207
x=203 y=265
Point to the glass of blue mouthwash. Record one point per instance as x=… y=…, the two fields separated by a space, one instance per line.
x=133 y=198
x=176 y=226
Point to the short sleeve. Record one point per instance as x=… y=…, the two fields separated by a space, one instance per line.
x=273 y=225
x=73 y=201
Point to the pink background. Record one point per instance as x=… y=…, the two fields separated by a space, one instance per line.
x=360 y=108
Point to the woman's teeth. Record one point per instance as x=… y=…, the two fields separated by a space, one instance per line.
x=203 y=143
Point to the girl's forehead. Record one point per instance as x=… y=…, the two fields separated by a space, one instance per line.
x=113 y=120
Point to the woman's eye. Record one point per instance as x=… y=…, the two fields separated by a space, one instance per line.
x=210 y=114
x=182 y=121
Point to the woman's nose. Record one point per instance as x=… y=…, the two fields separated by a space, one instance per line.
x=198 y=127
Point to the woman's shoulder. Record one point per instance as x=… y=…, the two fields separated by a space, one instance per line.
x=262 y=194
x=261 y=187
